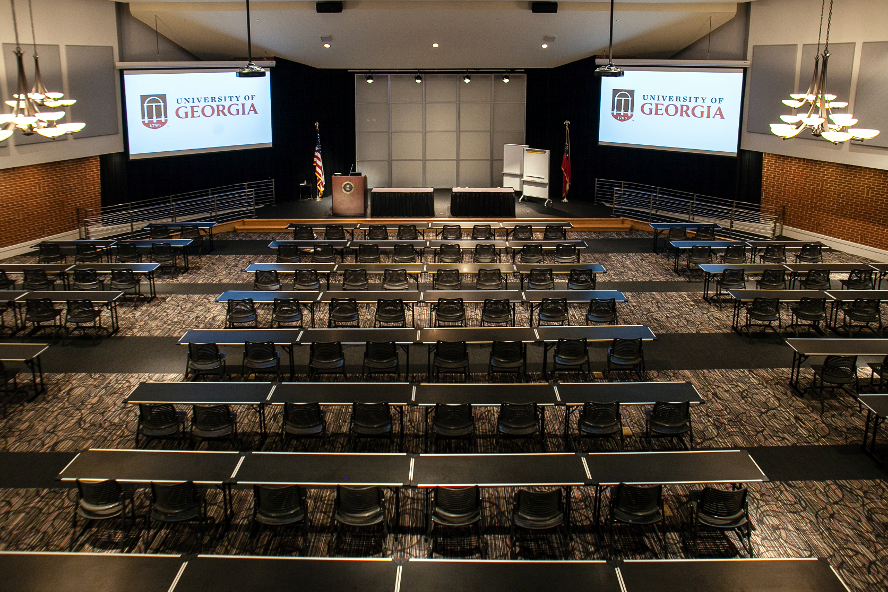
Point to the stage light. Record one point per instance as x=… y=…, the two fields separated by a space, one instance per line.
x=369 y=78
x=418 y=79
x=506 y=78
x=467 y=79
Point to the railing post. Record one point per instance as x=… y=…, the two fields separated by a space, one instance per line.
x=274 y=195
x=129 y=211
x=253 y=192
x=651 y=209
x=658 y=199
x=691 y=208
x=172 y=209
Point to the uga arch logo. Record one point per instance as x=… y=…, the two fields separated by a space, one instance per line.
x=622 y=104
x=154 y=111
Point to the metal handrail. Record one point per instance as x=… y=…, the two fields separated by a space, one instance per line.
x=649 y=203
x=219 y=204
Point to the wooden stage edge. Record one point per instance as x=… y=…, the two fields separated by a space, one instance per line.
x=579 y=224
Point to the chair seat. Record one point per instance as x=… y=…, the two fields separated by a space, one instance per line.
x=445 y=518
x=266 y=517
x=180 y=515
x=599 y=430
x=216 y=432
x=650 y=518
x=833 y=378
x=537 y=523
x=723 y=521
x=99 y=511
x=373 y=428
x=368 y=518
x=760 y=316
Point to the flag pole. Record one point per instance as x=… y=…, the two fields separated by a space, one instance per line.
x=565 y=162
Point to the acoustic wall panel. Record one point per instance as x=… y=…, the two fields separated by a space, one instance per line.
x=771 y=79
x=440 y=88
x=872 y=88
x=508 y=117
x=440 y=173
x=440 y=146
x=478 y=90
x=474 y=145
x=841 y=59
x=500 y=139
x=440 y=117
x=513 y=92
x=373 y=146
x=92 y=81
x=474 y=173
x=405 y=90
x=406 y=117
x=377 y=172
x=50 y=71
x=474 y=117
x=372 y=117
x=407 y=173
x=377 y=92
x=406 y=145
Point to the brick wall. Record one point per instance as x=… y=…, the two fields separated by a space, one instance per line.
x=41 y=200
x=842 y=201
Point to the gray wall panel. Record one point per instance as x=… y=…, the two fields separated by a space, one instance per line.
x=376 y=92
x=92 y=81
x=440 y=88
x=772 y=79
x=51 y=72
x=872 y=88
x=841 y=58
x=372 y=117
x=474 y=116
x=406 y=145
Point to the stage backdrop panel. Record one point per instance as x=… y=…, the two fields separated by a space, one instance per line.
x=440 y=133
x=772 y=79
x=872 y=88
x=92 y=81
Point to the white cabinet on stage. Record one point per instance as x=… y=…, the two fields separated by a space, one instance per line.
x=536 y=174
x=513 y=166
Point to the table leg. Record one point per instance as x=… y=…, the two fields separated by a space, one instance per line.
x=675 y=265
x=210 y=235
x=152 y=287
x=567 y=414
x=260 y=409
x=707 y=278
x=36 y=368
x=656 y=236
x=185 y=257
x=866 y=425
x=289 y=350
x=115 y=321
x=545 y=359
x=795 y=373
x=735 y=318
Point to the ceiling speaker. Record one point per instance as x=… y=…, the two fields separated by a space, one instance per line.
x=328 y=7
x=543 y=7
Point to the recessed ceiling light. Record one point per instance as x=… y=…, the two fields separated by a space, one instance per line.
x=434 y=45
x=547 y=40
x=326 y=40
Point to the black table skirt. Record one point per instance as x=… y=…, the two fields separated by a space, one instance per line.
x=487 y=204
x=402 y=205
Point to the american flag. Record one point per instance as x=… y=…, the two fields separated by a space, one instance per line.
x=319 y=165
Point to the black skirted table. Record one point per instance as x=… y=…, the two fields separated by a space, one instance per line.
x=412 y=202
x=482 y=201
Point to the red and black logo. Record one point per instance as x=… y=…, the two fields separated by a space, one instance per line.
x=622 y=104
x=154 y=111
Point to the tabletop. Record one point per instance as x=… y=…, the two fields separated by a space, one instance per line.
x=21 y=352
x=573 y=295
x=499 y=470
x=65 y=295
x=477 y=334
x=596 y=333
x=144 y=466
x=360 y=335
x=240 y=336
x=201 y=393
x=627 y=393
x=324 y=469
x=447 y=575
x=839 y=347
x=485 y=394
x=695 y=466
x=342 y=393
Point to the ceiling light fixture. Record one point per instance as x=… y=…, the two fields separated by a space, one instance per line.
x=547 y=40
x=467 y=79
x=418 y=79
x=609 y=70
x=369 y=78
x=251 y=70
x=822 y=103
x=26 y=115
x=506 y=78
x=434 y=45
x=326 y=40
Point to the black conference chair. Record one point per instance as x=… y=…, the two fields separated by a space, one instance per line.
x=334 y=232
x=626 y=355
x=368 y=254
x=303 y=420
x=729 y=279
x=449 y=357
x=306 y=279
x=193 y=233
x=482 y=232
x=5 y=282
x=213 y=422
x=837 y=372
x=50 y=253
x=773 y=254
x=451 y=232
x=520 y=421
x=816 y=279
x=266 y=280
x=370 y=420
x=451 y=422
x=553 y=310
x=699 y=255
x=450 y=311
x=705 y=233
x=675 y=233
x=37 y=280
x=241 y=311
x=485 y=253
x=326 y=358
x=261 y=357
x=361 y=508
x=87 y=279
x=734 y=254
x=490 y=279
x=541 y=279
x=159 y=231
x=394 y=279
x=508 y=357
x=448 y=253
x=83 y=314
x=810 y=253
x=164 y=254
x=636 y=505
x=323 y=254
x=405 y=253
x=407 y=232
x=521 y=232
x=204 y=358
x=288 y=253
x=862 y=313
x=102 y=501
x=125 y=280
x=571 y=355
x=87 y=253
x=602 y=310
x=597 y=421
x=810 y=312
x=279 y=506
x=539 y=511
x=670 y=420
x=532 y=253
x=286 y=312
x=858 y=279
x=381 y=358
x=127 y=253
x=303 y=232
x=455 y=508
x=581 y=279
x=496 y=312
x=880 y=370
x=159 y=420
x=40 y=311
x=178 y=503
x=772 y=279
x=446 y=279
x=343 y=312
x=567 y=253
x=721 y=510
x=355 y=279
x=552 y=232
x=763 y=312
x=377 y=232
x=390 y=313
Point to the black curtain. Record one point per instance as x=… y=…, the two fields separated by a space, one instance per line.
x=571 y=92
x=300 y=96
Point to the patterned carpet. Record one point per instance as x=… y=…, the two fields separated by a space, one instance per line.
x=843 y=521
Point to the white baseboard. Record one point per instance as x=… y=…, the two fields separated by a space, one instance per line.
x=25 y=248
x=838 y=244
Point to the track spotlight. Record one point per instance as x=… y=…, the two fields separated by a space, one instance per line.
x=506 y=78
x=369 y=78
x=418 y=79
x=467 y=79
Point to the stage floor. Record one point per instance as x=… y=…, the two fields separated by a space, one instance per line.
x=310 y=209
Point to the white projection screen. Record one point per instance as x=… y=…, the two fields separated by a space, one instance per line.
x=681 y=109
x=171 y=112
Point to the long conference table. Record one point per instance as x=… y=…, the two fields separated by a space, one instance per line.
x=104 y=572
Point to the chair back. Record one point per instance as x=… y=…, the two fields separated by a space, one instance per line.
x=449 y=253
x=127 y=251
x=162 y=250
x=260 y=351
x=482 y=232
x=343 y=306
x=532 y=253
x=447 y=279
x=267 y=280
x=860 y=278
x=303 y=232
x=812 y=305
x=371 y=414
x=863 y=308
x=358 y=500
x=381 y=351
x=603 y=308
x=677 y=233
x=377 y=232
x=541 y=279
x=278 y=500
x=286 y=307
x=159 y=231
x=579 y=279
x=812 y=252
x=86 y=277
x=775 y=252
x=407 y=232
x=49 y=250
x=735 y=254
x=636 y=499
x=490 y=279
x=518 y=416
x=837 y=368
x=601 y=414
x=538 y=505
x=765 y=306
x=86 y=251
x=394 y=279
x=719 y=503
x=323 y=254
x=817 y=277
x=553 y=232
x=157 y=415
x=484 y=253
x=210 y=417
x=627 y=349
x=773 y=276
x=4 y=280
x=39 y=306
x=705 y=233
x=240 y=307
x=35 y=276
x=172 y=498
x=355 y=279
x=450 y=306
x=326 y=351
x=288 y=253
x=733 y=277
x=123 y=276
x=404 y=253
x=672 y=415
x=189 y=232
x=566 y=251
x=451 y=351
x=553 y=306
x=457 y=501
x=522 y=232
x=451 y=232
x=99 y=494
x=571 y=348
x=203 y=353
x=307 y=279
x=334 y=232
x=78 y=307
x=507 y=351
x=368 y=253
x=701 y=252
x=303 y=415
x=390 y=309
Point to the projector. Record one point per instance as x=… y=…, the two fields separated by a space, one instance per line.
x=609 y=71
x=251 y=71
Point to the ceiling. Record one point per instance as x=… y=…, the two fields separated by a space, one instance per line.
x=398 y=35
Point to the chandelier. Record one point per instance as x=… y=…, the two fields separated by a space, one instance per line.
x=820 y=119
x=26 y=115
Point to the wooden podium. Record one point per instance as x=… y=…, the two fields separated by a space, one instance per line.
x=349 y=195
